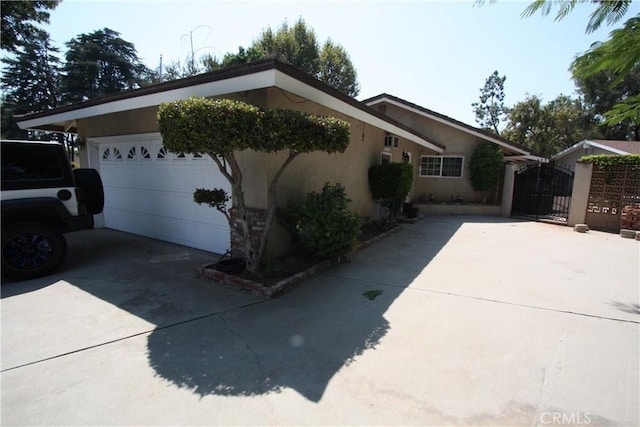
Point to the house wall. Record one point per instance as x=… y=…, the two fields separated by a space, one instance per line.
x=308 y=172
x=457 y=143
x=580 y=193
x=572 y=158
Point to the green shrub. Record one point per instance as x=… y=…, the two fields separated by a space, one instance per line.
x=322 y=226
x=485 y=167
x=605 y=161
x=390 y=183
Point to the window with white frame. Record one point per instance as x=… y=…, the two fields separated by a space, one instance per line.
x=385 y=158
x=441 y=166
x=391 y=141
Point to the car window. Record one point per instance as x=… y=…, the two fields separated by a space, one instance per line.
x=19 y=163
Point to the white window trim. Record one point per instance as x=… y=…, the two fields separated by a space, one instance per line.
x=386 y=154
x=391 y=141
x=441 y=164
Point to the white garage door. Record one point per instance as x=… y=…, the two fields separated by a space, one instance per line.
x=149 y=191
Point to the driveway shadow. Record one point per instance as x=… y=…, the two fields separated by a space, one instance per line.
x=303 y=338
x=213 y=340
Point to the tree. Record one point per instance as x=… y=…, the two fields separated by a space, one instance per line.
x=485 y=166
x=609 y=11
x=101 y=63
x=30 y=81
x=298 y=46
x=490 y=110
x=548 y=128
x=337 y=70
x=619 y=60
x=618 y=55
x=600 y=96
x=18 y=18
x=222 y=127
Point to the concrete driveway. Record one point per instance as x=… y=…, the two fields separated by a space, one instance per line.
x=480 y=321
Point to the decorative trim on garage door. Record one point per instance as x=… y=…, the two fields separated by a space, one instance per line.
x=149 y=191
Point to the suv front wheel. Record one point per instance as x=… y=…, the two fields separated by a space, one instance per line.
x=31 y=249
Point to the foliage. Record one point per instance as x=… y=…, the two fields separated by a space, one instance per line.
x=601 y=96
x=619 y=57
x=609 y=11
x=390 y=183
x=337 y=70
x=30 y=82
x=216 y=198
x=605 y=161
x=222 y=127
x=101 y=63
x=490 y=110
x=322 y=225
x=9 y=127
x=298 y=45
x=18 y=18
x=549 y=128
x=485 y=167
x=31 y=78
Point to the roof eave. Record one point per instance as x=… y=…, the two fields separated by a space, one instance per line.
x=259 y=75
x=468 y=129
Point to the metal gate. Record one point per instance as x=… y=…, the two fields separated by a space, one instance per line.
x=543 y=191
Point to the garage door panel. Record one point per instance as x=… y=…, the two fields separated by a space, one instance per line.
x=198 y=235
x=153 y=196
x=156 y=202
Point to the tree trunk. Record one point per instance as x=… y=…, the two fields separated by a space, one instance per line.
x=252 y=254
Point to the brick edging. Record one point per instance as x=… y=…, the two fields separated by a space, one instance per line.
x=285 y=284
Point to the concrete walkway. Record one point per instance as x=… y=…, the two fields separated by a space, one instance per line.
x=480 y=321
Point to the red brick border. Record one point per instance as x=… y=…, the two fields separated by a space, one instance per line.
x=285 y=284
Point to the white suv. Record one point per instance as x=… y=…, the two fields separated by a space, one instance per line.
x=42 y=198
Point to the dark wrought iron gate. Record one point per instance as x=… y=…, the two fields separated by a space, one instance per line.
x=543 y=191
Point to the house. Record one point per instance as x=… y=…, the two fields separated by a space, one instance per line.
x=149 y=191
x=589 y=147
x=444 y=176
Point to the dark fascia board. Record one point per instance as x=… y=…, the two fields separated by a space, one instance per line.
x=226 y=73
x=223 y=74
x=488 y=135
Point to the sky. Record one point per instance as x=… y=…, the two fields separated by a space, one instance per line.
x=436 y=54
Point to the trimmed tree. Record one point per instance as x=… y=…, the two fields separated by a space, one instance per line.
x=390 y=183
x=222 y=127
x=486 y=168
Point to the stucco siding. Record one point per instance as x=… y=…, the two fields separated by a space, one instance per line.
x=308 y=172
x=458 y=144
x=570 y=159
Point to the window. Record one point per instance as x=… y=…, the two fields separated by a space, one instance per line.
x=162 y=154
x=391 y=141
x=442 y=166
x=24 y=163
x=385 y=158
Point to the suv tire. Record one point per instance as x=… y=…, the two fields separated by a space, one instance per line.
x=31 y=249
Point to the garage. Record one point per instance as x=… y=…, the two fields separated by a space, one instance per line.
x=149 y=191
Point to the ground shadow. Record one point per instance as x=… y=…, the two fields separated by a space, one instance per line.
x=303 y=338
x=214 y=340
x=632 y=308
